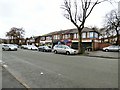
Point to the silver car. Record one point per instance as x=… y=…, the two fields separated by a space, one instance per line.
x=64 y=49
x=112 y=48
x=9 y=47
x=32 y=47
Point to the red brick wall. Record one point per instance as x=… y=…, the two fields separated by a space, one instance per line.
x=95 y=46
x=102 y=45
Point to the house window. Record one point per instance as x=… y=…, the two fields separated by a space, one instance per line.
x=55 y=36
x=75 y=36
x=42 y=38
x=66 y=36
x=48 y=38
x=83 y=35
x=58 y=36
x=63 y=36
x=91 y=35
x=96 y=35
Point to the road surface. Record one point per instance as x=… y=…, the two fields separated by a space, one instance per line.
x=48 y=70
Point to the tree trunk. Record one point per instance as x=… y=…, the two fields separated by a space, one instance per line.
x=118 y=38
x=80 y=47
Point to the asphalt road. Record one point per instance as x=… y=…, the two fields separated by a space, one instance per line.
x=48 y=70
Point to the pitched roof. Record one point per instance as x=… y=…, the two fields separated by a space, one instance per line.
x=74 y=30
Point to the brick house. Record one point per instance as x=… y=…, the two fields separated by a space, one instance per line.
x=70 y=38
x=110 y=37
x=35 y=40
x=46 y=39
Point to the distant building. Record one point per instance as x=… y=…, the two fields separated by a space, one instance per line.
x=46 y=39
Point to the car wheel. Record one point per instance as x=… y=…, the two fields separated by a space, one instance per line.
x=106 y=50
x=9 y=49
x=67 y=53
x=119 y=50
x=55 y=52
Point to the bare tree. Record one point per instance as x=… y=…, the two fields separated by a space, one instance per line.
x=15 y=34
x=77 y=12
x=112 y=25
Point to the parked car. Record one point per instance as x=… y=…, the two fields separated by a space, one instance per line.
x=112 y=48
x=44 y=49
x=9 y=47
x=32 y=47
x=23 y=46
x=15 y=45
x=64 y=49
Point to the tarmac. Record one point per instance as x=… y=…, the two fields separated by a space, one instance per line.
x=10 y=82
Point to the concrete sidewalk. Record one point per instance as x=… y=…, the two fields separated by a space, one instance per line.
x=102 y=54
x=9 y=81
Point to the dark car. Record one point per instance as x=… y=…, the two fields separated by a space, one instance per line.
x=44 y=49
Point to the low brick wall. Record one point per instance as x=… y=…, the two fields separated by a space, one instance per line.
x=102 y=45
x=96 y=46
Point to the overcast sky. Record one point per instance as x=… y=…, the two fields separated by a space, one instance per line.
x=38 y=17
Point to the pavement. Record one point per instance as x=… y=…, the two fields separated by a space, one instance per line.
x=9 y=81
x=102 y=54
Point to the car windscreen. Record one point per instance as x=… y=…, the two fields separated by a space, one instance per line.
x=46 y=47
x=67 y=47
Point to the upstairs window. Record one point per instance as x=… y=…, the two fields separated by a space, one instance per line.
x=96 y=35
x=91 y=35
x=83 y=35
x=75 y=36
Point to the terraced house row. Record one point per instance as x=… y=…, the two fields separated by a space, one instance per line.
x=91 y=38
x=70 y=38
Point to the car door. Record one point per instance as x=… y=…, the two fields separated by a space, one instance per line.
x=43 y=48
x=59 y=49
x=63 y=49
x=111 y=48
x=116 y=48
x=40 y=48
x=6 y=47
